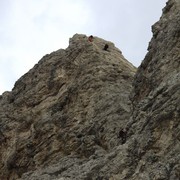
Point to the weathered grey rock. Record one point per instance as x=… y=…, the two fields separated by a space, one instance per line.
x=63 y=118
x=156 y=101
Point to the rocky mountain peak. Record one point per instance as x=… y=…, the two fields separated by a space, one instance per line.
x=86 y=113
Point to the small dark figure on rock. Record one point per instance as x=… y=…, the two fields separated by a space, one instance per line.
x=90 y=38
x=122 y=135
x=3 y=139
x=106 y=46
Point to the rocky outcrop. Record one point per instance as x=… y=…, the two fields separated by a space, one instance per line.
x=63 y=119
x=156 y=101
x=66 y=112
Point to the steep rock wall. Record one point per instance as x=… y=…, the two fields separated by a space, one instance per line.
x=156 y=101
x=63 y=118
x=71 y=105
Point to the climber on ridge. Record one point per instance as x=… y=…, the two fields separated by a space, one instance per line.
x=106 y=46
x=90 y=38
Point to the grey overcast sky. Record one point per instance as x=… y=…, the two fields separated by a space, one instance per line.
x=29 y=29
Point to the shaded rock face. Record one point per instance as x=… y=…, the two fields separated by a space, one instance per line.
x=66 y=112
x=63 y=119
x=156 y=101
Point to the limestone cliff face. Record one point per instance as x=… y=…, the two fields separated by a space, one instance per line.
x=67 y=112
x=156 y=101
x=63 y=118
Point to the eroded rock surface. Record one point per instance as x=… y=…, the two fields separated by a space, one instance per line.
x=156 y=101
x=66 y=112
x=63 y=119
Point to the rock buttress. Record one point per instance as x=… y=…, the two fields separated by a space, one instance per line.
x=156 y=101
x=63 y=117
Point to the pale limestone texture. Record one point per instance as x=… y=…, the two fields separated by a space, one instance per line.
x=62 y=120
x=66 y=112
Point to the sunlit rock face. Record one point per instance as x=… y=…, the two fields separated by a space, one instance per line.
x=86 y=113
